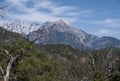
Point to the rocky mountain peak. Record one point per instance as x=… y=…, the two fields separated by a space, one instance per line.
x=60 y=25
x=61 y=21
x=62 y=32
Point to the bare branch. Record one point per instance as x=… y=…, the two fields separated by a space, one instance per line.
x=9 y=66
x=2 y=71
x=7 y=52
x=92 y=61
x=2 y=11
x=111 y=63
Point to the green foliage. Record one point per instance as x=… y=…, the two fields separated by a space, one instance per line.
x=8 y=36
x=54 y=62
x=114 y=77
x=70 y=59
x=33 y=65
x=99 y=76
x=75 y=64
x=31 y=69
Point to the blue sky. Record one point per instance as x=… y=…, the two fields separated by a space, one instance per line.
x=98 y=17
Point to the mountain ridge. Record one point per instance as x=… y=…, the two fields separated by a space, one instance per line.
x=62 y=32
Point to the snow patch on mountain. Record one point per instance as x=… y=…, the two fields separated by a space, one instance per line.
x=62 y=32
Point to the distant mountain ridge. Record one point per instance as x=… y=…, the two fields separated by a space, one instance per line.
x=62 y=32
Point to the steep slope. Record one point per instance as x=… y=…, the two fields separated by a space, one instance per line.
x=32 y=64
x=61 y=32
x=76 y=65
x=7 y=36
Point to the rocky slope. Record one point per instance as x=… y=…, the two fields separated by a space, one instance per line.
x=61 y=32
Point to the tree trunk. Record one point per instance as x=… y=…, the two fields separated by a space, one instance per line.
x=6 y=74
x=12 y=60
x=92 y=62
x=6 y=78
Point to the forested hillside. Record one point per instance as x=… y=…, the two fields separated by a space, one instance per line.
x=86 y=65
x=55 y=62
x=32 y=64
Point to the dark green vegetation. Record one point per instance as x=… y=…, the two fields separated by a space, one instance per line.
x=33 y=64
x=57 y=62
x=7 y=36
x=78 y=65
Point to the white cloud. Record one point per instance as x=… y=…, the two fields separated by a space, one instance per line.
x=37 y=13
x=107 y=32
x=55 y=9
x=19 y=9
x=39 y=17
x=112 y=22
x=103 y=31
x=106 y=22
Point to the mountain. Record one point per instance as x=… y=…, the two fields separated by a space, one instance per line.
x=57 y=62
x=7 y=36
x=62 y=32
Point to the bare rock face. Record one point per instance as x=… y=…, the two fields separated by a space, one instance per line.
x=62 y=32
